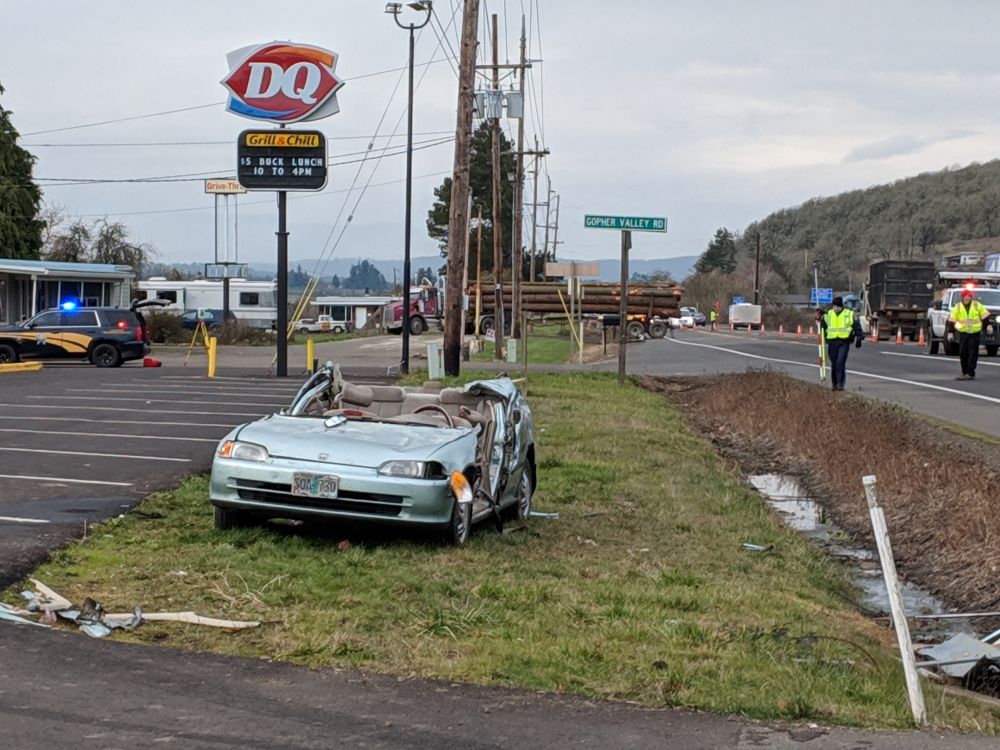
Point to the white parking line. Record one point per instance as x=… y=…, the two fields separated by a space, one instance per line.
x=934 y=358
x=158 y=423
x=100 y=455
x=15 y=519
x=955 y=391
x=272 y=381
x=148 y=400
x=127 y=387
x=64 y=480
x=118 y=436
x=187 y=392
x=131 y=410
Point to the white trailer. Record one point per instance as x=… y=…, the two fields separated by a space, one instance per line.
x=252 y=302
x=744 y=315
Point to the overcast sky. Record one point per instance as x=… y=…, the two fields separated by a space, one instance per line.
x=711 y=114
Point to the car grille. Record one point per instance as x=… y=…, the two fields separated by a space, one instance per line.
x=375 y=504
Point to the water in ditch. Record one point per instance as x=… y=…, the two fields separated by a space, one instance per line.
x=802 y=513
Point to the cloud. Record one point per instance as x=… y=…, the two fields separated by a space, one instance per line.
x=898 y=145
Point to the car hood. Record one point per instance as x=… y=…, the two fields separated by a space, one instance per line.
x=355 y=442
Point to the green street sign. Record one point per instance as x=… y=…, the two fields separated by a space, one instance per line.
x=630 y=223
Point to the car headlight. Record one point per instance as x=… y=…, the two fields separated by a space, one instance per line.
x=240 y=451
x=410 y=469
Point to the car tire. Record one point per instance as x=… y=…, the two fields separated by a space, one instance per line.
x=8 y=354
x=991 y=351
x=417 y=326
x=933 y=344
x=486 y=325
x=230 y=518
x=303 y=331
x=106 y=355
x=457 y=532
x=520 y=510
x=634 y=329
x=657 y=329
x=338 y=329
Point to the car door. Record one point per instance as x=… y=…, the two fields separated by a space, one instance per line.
x=76 y=332
x=40 y=337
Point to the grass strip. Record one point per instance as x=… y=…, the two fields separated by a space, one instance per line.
x=641 y=590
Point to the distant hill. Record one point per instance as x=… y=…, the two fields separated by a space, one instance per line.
x=678 y=268
x=917 y=217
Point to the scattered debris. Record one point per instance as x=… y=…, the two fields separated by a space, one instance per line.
x=343 y=545
x=984 y=677
x=540 y=514
x=750 y=547
x=94 y=621
x=956 y=656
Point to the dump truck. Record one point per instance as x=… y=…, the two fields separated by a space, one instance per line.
x=898 y=294
x=650 y=306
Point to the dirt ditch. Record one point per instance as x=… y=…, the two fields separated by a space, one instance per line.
x=939 y=489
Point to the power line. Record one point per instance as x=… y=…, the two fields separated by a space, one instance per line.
x=204 y=143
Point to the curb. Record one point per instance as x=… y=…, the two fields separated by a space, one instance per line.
x=21 y=367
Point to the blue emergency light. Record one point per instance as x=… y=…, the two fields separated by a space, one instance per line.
x=68 y=305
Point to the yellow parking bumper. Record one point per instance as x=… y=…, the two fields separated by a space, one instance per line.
x=20 y=367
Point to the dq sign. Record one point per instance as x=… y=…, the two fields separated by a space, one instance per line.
x=282 y=82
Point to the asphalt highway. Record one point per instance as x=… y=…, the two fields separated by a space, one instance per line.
x=900 y=374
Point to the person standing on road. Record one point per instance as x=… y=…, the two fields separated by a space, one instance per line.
x=713 y=317
x=840 y=327
x=968 y=316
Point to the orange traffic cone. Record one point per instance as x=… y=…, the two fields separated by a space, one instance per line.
x=761 y=329
x=875 y=333
x=798 y=331
x=899 y=336
x=921 y=340
x=781 y=330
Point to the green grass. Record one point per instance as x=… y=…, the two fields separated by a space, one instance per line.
x=547 y=345
x=639 y=591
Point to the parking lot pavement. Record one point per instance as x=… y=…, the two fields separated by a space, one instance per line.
x=81 y=444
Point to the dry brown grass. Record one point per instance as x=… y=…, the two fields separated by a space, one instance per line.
x=939 y=489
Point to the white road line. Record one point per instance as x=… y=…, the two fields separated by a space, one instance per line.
x=15 y=519
x=101 y=455
x=952 y=361
x=147 y=400
x=955 y=391
x=118 y=436
x=64 y=480
x=132 y=410
x=199 y=378
x=185 y=392
x=22 y=418
x=146 y=388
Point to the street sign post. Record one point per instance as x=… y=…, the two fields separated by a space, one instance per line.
x=821 y=297
x=626 y=225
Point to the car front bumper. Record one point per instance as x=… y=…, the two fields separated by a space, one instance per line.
x=363 y=494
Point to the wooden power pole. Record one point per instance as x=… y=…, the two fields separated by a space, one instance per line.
x=458 y=219
x=497 y=212
x=516 y=263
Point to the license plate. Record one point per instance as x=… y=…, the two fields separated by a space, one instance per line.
x=315 y=485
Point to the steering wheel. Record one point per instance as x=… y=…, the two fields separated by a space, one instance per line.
x=438 y=409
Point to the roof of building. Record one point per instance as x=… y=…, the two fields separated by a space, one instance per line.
x=61 y=268
x=355 y=301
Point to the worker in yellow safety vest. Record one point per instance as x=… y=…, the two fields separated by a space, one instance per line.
x=840 y=327
x=713 y=318
x=968 y=317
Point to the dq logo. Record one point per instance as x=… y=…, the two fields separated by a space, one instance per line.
x=282 y=82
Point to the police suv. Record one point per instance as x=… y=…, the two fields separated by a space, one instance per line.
x=940 y=328
x=105 y=336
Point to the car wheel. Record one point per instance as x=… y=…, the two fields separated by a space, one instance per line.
x=8 y=354
x=657 y=330
x=521 y=509
x=417 y=326
x=338 y=329
x=991 y=351
x=106 y=355
x=634 y=329
x=303 y=331
x=229 y=518
x=457 y=532
x=933 y=344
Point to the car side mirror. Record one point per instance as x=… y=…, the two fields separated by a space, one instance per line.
x=938 y=304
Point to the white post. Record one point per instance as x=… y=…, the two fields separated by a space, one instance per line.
x=881 y=532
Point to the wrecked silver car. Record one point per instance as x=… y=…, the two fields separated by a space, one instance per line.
x=439 y=459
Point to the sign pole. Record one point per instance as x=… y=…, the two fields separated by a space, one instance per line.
x=282 y=326
x=623 y=308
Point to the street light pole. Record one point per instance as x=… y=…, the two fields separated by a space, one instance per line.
x=394 y=8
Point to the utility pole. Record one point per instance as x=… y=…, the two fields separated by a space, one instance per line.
x=534 y=219
x=457 y=217
x=756 y=274
x=548 y=205
x=479 y=270
x=497 y=213
x=515 y=271
x=555 y=230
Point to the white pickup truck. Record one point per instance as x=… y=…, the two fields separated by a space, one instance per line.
x=324 y=324
x=940 y=329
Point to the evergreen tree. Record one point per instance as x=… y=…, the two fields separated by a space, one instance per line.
x=720 y=253
x=365 y=275
x=20 y=199
x=481 y=185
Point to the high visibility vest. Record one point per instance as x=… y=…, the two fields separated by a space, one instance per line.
x=969 y=320
x=839 y=326
x=712 y=315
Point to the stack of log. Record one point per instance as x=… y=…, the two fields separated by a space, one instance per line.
x=662 y=300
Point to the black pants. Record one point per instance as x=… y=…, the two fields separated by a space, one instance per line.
x=836 y=353
x=968 y=351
